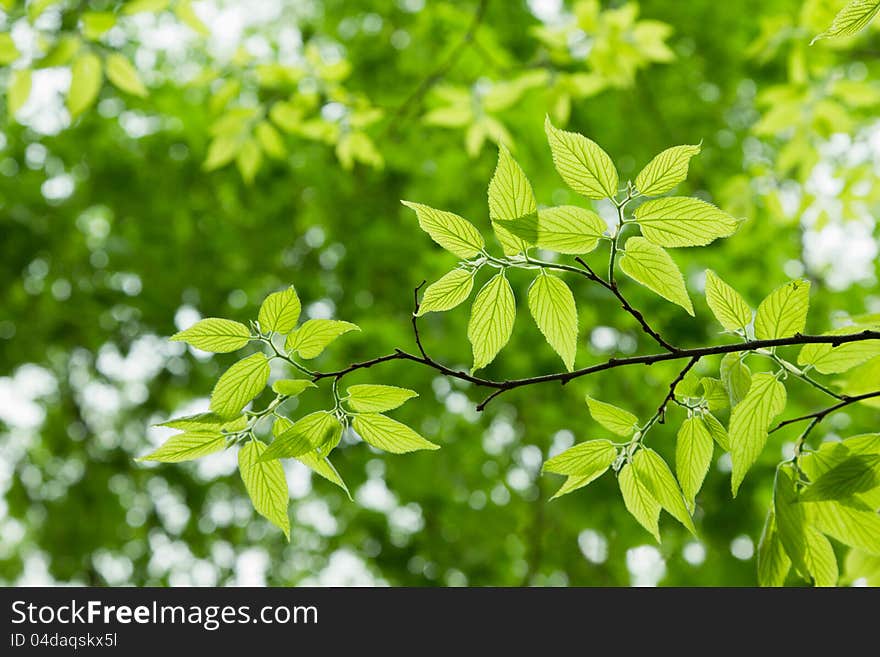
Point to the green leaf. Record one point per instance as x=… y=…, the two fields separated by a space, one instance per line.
x=552 y=305
x=714 y=393
x=85 y=83
x=448 y=292
x=280 y=311
x=639 y=501
x=310 y=339
x=124 y=75
x=650 y=265
x=808 y=549
x=587 y=459
x=666 y=170
x=828 y=359
x=368 y=398
x=862 y=566
x=784 y=312
x=491 y=321
x=729 y=308
x=750 y=422
x=187 y=446
x=510 y=192
x=314 y=460
x=320 y=430
x=140 y=6
x=266 y=484
x=199 y=423
x=583 y=165
x=221 y=152
x=851 y=526
x=8 y=51
x=615 y=419
x=681 y=221
x=510 y=243
x=455 y=234
x=19 y=90
x=736 y=377
x=658 y=478
x=184 y=11
x=565 y=229
x=389 y=435
x=852 y=19
x=693 y=455
x=773 y=562
x=292 y=387
x=214 y=334
x=856 y=474
x=270 y=140
x=717 y=431
x=96 y=23
x=240 y=384
x=249 y=159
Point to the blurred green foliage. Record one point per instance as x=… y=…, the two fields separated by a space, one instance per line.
x=120 y=222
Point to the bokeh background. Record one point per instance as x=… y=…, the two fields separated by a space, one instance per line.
x=130 y=220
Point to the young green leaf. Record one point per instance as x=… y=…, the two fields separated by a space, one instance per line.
x=291 y=387
x=729 y=308
x=187 y=446
x=320 y=430
x=639 y=501
x=717 y=431
x=266 y=484
x=773 y=562
x=714 y=393
x=693 y=455
x=750 y=422
x=650 y=265
x=682 y=221
x=270 y=140
x=565 y=229
x=666 y=170
x=85 y=83
x=455 y=234
x=139 y=6
x=389 y=435
x=124 y=75
x=510 y=192
x=313 y=336
x=239 y=384
x=784 y=312
x=858 y=473
x=657 y=477
x=18 y=90
x=806 y=546
x=852 y=19
x=615 y=419
x=582 y=163
x=214 y=334
x=491 y=321
x=369 y=398
x=552 y=305
x=857 y=528
x=828 y=359
x=510 y=243
x=736 y=377
x=447 y=292
x=249 y=159
x=314 y=460
x=279 y=312
x=200 y=422
x=589 y=459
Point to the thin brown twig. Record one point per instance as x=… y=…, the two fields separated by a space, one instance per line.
x=818 y=416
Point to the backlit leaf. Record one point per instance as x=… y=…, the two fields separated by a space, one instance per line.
x=313 y=336
x=582 y=163
x=240 y=384
x=750 y=422
x=447 y=292
x=552 y=305
x=650 y=265
x=491 y=322
x=215 y=334
x=784 y=312
x=682 y=221
x=615 y=419
x=455 y=234
x=728 y=306
x=266 y=485
x=666 y=170
x=389 y=435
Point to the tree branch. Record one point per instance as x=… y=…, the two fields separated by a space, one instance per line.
x=612 y=363
x=661 y=411
x=818 y=416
